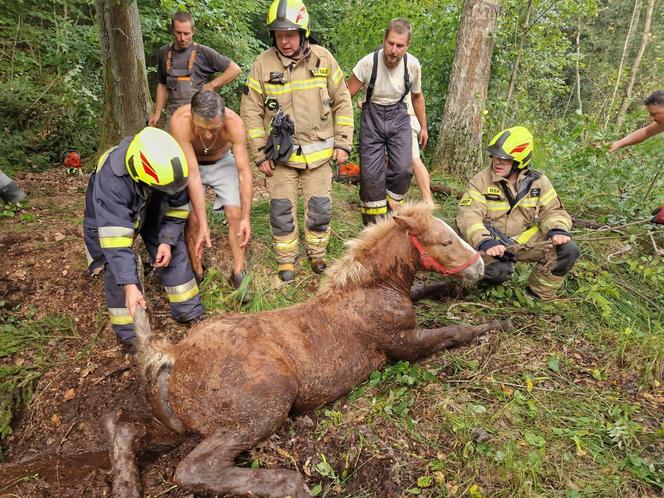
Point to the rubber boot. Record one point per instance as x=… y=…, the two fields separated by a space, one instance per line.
x=9 y=191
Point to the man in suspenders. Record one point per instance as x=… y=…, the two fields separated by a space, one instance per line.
x=185 y=66
x=387 y=75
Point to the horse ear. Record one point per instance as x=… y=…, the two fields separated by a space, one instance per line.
x=407 y=223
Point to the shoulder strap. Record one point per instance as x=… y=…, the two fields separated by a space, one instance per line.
x=169 y=57
x=192 y=57
x=407 y=85
x=374 y=73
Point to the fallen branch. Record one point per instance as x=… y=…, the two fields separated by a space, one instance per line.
x=441 y=189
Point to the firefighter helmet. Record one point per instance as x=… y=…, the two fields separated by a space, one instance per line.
x=156 y=159
x=288 y=15
x=513 y=143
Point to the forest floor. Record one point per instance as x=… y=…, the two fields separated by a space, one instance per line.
x=571 y=403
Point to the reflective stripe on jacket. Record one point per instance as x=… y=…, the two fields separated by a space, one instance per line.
x=312 y=91
x=116 y=207
x=536 y=207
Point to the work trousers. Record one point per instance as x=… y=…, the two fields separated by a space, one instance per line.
x=385 y=131
x=552 y=263
x=283 y=187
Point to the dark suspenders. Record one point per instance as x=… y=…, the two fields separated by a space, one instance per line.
x=534 y=175
x=374 y=72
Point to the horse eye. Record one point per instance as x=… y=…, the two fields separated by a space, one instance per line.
x=446 y=243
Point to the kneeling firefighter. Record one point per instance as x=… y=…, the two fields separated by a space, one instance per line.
x=512 y=213
x=299 y=118
x=139 y=187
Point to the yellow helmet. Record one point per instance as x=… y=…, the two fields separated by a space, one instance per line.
x=513 y=143
x=288 y=15
x=156 y=159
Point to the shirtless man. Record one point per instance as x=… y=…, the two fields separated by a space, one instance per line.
x=207 y=132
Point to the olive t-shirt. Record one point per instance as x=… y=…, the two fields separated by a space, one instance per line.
x=208 y=61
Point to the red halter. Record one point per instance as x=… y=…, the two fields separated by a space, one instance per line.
x=430 y=263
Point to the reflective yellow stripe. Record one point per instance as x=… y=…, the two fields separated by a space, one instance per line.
x=343 y=121
x=284 y=245
x=497 y=206
x=527 y=235
x=316 y=82
x=183 y=292
x=548 y=197
x=181 y=212
x=529 y=202
x=286 y=266
x=256 y=132
x=475 y=227
x=395 y=197
x=116 y=232
x=254 y=85
x=104 y=156
x=338 y=74
x=367 y=210
x=476 y=196
x=311 y=157
x=115 y=242
x=316 y=240
x=120 y=316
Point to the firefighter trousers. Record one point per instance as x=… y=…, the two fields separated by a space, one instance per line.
x=551 y=265
x=385 y=131
x=283 y=187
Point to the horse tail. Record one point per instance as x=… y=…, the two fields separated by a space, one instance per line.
x=152 y=354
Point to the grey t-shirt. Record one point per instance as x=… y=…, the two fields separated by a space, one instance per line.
x=208 y=61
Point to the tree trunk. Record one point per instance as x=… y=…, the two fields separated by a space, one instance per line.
x=127 y=101
x=459 y=143
x=633 y=22
x=515 y=65
x=645 y=39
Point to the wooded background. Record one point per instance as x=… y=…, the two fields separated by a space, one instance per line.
x=575 y=72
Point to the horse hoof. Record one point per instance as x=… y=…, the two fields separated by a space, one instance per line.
x=287 y=275
x=318 y=266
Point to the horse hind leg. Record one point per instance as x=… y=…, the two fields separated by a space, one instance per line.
x=210 y=469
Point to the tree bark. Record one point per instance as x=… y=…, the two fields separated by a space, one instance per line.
x=645 y=39
x=127 y=101
x=458 y=149
x=633 y=22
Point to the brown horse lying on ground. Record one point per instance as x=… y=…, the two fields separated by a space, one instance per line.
x=236 y=378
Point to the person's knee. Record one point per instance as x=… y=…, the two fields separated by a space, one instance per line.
x=281 y=217
x=498 y=272
x=233 y=215
x=319 y=213
x=566 y=256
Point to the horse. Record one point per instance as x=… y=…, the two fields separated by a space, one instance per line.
x=236 y=378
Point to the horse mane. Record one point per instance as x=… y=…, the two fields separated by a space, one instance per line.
x=349 y=269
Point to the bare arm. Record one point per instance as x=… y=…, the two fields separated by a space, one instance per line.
x=239 y=144
x=420 y=111
x=637 y=136
x=354 y=85
x=232 y=72
x=161 y=98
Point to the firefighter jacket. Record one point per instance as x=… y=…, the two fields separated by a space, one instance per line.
x=312 y=91
x=117 y=208
x=491 y=208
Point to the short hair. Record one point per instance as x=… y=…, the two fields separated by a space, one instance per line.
x=182 y=16
x=655 y=98
x=399 y=25
x=208 y=105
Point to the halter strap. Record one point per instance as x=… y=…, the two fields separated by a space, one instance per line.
x=430 y=263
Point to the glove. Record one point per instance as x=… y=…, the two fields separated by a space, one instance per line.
x=279 y=144
x=659 y=216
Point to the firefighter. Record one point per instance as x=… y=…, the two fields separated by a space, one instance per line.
x=185 y=66
x=9 y=191
x=139 y=187
x=655 y=106
x=299 y=119
x=512 y=213
x=389 y=75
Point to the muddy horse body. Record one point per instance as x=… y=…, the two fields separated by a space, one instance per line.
x=236 y=378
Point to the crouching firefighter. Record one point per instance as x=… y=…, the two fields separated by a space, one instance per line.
x=512 y=213
x=299 y=119
x=139 y=187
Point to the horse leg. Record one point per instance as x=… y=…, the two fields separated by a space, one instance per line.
x=419 y=343
x=210 y=469
x=438 y=291
x=126 y=434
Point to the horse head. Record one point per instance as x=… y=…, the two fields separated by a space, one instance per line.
x=439 y=247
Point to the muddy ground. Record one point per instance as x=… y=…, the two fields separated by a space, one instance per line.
x=57 y=448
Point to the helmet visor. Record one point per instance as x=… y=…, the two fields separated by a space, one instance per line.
x=497 y=151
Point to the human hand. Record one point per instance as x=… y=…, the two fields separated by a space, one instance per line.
x=244 y=233
x=202 y=239
x=614 y=146
x=133 y=297
x=496 y=251
x=559 y=239
x=340 y=155
x=163 y=257
x=423 y=138
x=154 y=119
x=266 y=167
